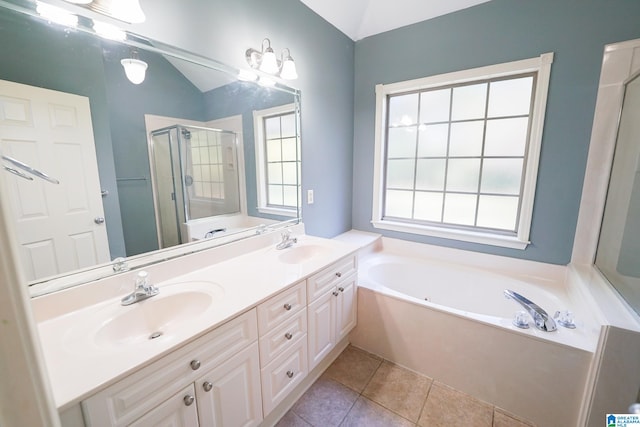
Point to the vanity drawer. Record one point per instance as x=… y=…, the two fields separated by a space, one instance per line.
x=281 y=307
x=321 y=282
x=129 y=399
x=283 y=374
x=282 y=337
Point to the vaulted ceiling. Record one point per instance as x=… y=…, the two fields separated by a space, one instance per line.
x=363 y=18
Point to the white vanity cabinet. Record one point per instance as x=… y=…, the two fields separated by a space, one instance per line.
x=282 y=325
x=212 y=381
x=332 y=307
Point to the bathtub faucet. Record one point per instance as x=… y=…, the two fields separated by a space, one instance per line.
x=541 y=319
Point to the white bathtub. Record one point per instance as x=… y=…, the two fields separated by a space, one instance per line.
x=451 y=321
x=477 y=294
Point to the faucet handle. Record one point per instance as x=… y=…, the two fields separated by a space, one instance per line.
x=142 y=280
x=285 y=235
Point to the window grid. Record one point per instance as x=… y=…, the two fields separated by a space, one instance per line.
x=282 y=193
x=445 y=190
x=207 y=166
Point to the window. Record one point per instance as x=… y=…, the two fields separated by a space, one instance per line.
x=206 y=164
x=278 y=160
x=457 y=154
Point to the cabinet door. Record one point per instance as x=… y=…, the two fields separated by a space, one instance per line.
x=229 y=395
x=179 y=410
x=346 y=310
x=321 y=327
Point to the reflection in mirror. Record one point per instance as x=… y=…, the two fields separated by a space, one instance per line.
x=618 y=253
x=195 y=175
x=176 y=159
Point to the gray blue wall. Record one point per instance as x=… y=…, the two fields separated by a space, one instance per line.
x=242 y=98
x=491 y=33
x=164 y=92
x=224 y=29
x=39 y=55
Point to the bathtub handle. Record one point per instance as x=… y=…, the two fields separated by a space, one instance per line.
x=338 y=274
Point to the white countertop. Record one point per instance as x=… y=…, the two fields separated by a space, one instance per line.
x=78 y=367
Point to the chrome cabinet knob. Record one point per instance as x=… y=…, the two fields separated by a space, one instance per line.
x=335 y=293
x=287 y=306
x=338 y=274
x=195 y=364
x=290 y=374
x=207 y=386
x=288 y=335
x=188 y=400
x=99 y=220
x=341 y=289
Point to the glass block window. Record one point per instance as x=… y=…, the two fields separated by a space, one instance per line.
x=457 y=154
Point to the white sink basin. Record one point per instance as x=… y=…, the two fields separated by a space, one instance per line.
x=302 y=253
x=152 y=318
x=114 y=326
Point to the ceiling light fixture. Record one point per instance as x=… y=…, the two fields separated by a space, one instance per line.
x=265 y=60
x=134 y=68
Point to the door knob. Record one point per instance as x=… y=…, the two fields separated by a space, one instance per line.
x=98 y=220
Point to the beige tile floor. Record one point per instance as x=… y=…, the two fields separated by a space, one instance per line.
x=361 y=389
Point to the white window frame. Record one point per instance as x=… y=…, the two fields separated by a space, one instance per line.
x=542 y=66
x=261 y=170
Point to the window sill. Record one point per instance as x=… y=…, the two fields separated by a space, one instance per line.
x=278 y=211
x=510 y=242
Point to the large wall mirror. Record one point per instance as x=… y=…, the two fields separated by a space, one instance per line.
x=188 y=158
x=618 y=253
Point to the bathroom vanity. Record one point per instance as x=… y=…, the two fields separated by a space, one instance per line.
x=229 y=340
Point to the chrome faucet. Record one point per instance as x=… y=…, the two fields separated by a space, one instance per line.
x=287 y=240
x=540 y=317
x=143 y=290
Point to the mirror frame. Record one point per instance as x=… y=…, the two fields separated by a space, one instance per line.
x=97 y=272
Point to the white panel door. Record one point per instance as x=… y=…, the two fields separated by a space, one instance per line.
x=56 y=224
x=178 y=411
x=230 y=395
x=321 y=329
x=346 y=311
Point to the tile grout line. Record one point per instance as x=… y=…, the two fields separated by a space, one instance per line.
x=359 y=393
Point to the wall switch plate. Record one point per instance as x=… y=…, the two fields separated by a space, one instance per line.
x=309 y=197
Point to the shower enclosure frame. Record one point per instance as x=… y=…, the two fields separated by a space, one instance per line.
x=181 y=209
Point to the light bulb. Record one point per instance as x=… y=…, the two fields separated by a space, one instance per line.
x=269 y=62
x=109 y=31
x=289 y=71
x=135 y=70
x=56 y=14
